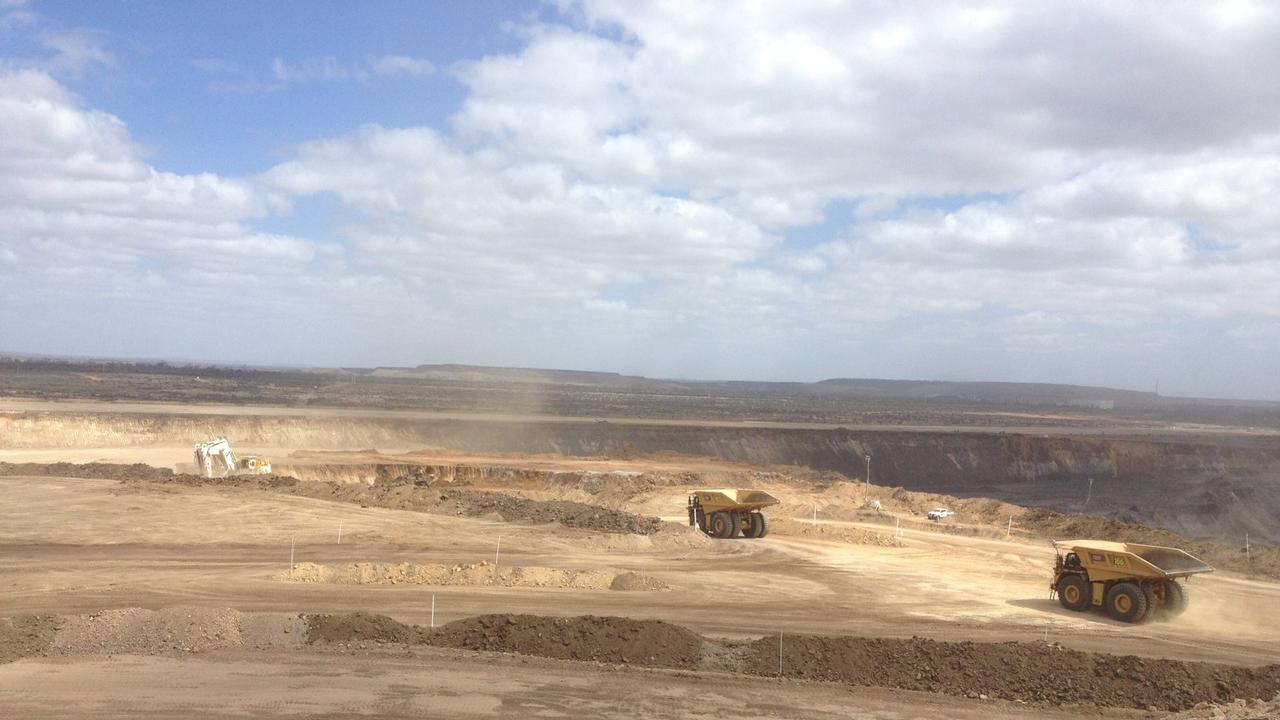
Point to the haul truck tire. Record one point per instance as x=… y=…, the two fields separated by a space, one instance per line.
x=722 y=525
x=759 y=525
x=1175 y=597
x=1073 y=593
x=1126 y=602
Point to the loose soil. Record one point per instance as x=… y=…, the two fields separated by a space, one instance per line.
x=631 y=581
x=103 y=471
x=1237 y=710
x=360 y=627
x=482 y=574
x=649 y=643
x=836 y=533
x=138 y=631
x=1030 y=672
x=1027 y=672
x=399 y=495
x=25 y=635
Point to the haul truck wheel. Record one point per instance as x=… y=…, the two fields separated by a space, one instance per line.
x=1149 y=590
x=722 y=525
x=761 y=523
x=1126 y=602
x=735 y=524
x=1175 y=597
x=1073 y=593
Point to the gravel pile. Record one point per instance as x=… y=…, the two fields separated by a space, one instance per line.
x=1238 y=710
x=136 y=631
x=1030 y=672
x=632 y=581
x=650 y=643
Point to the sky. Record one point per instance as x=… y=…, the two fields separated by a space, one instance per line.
x=1075 y=192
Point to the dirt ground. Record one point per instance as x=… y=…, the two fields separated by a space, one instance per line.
x=198 y=587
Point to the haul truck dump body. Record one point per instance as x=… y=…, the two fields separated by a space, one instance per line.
x=729 y=512
x=1129 y=580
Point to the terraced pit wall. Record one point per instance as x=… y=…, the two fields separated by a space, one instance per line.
x=1204 y=488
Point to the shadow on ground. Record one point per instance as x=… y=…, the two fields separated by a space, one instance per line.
x=1052 y=607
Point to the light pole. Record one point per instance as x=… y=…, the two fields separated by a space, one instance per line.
x=868 y=474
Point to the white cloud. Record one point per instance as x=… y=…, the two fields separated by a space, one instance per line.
x=801 y=103
x=331 y=69
x=483 y=222
x=76 y=50
x=1073 y=184
x=90 y=230
x=401 y=65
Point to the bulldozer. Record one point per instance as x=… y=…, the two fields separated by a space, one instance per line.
x=728 y=513
x=215 y=458
x=1132 y=582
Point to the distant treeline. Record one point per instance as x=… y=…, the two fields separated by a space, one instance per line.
x=127 y=367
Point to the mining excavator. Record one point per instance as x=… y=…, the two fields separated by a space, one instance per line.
x=1130 y=581
x=216 y=459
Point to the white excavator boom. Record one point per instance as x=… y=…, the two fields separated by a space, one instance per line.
x=216 y=452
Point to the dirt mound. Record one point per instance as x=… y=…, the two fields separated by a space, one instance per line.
x=25 y=635
x=148 y=632
x=1030 y=672
x=476 y=503
x=836 y=533
x=360 y=626
x=399 y=495
x=103 y=471
x=631 y=581
x=651 y=643
x=482 y=574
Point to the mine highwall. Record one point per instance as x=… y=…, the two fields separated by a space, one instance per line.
x=1203 y=487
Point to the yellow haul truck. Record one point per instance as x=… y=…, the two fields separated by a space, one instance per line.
x=727 y=513
x=1129 y=580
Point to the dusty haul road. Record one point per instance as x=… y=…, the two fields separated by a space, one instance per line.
x=178 y=599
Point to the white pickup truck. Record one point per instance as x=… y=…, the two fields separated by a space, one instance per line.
x=937 y=514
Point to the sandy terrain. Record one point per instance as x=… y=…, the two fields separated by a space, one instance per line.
x=75 y=547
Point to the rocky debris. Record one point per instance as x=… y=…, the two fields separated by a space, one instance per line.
x=263 y=482
x=475 y=503
x=632 y=581
x=837 y=533
x=139 y=631
x=148 y=632
x=483 y=574
x=401 y=494
x=650 y=643
x=1237 y=710
x=1027 y=672
x=25 y=635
